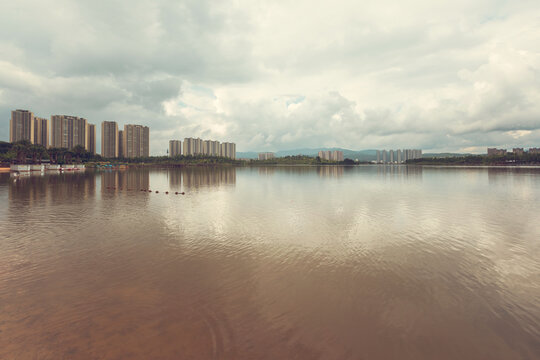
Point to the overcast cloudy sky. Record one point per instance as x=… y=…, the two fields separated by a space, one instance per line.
x=454 y=75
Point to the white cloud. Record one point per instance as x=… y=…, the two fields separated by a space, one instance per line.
x=449 y=75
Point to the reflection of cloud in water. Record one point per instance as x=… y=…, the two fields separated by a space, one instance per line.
x=441 y=266
x=400 y=171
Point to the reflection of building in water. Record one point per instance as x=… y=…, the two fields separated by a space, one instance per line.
x=400 y=171
x=267 y=170
x=52 y=188
x=208 y=176
x=31 y=188
x=125 y=180
x=175 y=179
x=516 y=176
x=330 y=171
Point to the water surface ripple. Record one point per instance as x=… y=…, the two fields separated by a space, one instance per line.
x=371 y=262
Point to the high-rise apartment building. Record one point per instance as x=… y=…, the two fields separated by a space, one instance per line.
x=109 y=139
x=175 y=148
x=206 y=144
x=266 y=156
x=329 y=155
x=41 y=131
x=192 y=146
x=68 y=131
x=228 y=150
x=324 y=155
x=494 y=151
x=215 y=148
x=21 y=126
x=398 y=156
x=120 y=143
x=337 y=155
x=91 y=138
x=136 y=141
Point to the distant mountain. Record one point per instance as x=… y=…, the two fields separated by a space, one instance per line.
x=362 y=155
x=247 y=155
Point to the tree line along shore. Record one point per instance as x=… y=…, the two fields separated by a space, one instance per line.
x=481 y=160
x=23 y=152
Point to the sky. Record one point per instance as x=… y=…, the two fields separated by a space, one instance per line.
x=442 y=76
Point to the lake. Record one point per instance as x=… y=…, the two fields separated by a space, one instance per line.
x=366 y=262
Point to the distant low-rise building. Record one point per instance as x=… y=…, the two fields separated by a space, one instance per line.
x=266 y=156
x=518 y=151
x=534 y=150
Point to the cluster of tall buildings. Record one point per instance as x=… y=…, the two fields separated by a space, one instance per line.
x=194 y=147
x=516 y=151
x=65 y=131
x=335 y=155
x=132 y=142
x=397 y=156
x=266 y=156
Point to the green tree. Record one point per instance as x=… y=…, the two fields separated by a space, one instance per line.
x=5 y=147
x=37 y=152
x=79 y=152
x=21 y=149
x=53 y=154
x=68 y=156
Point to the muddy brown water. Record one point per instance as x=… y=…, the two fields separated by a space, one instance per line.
x=372 y=262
